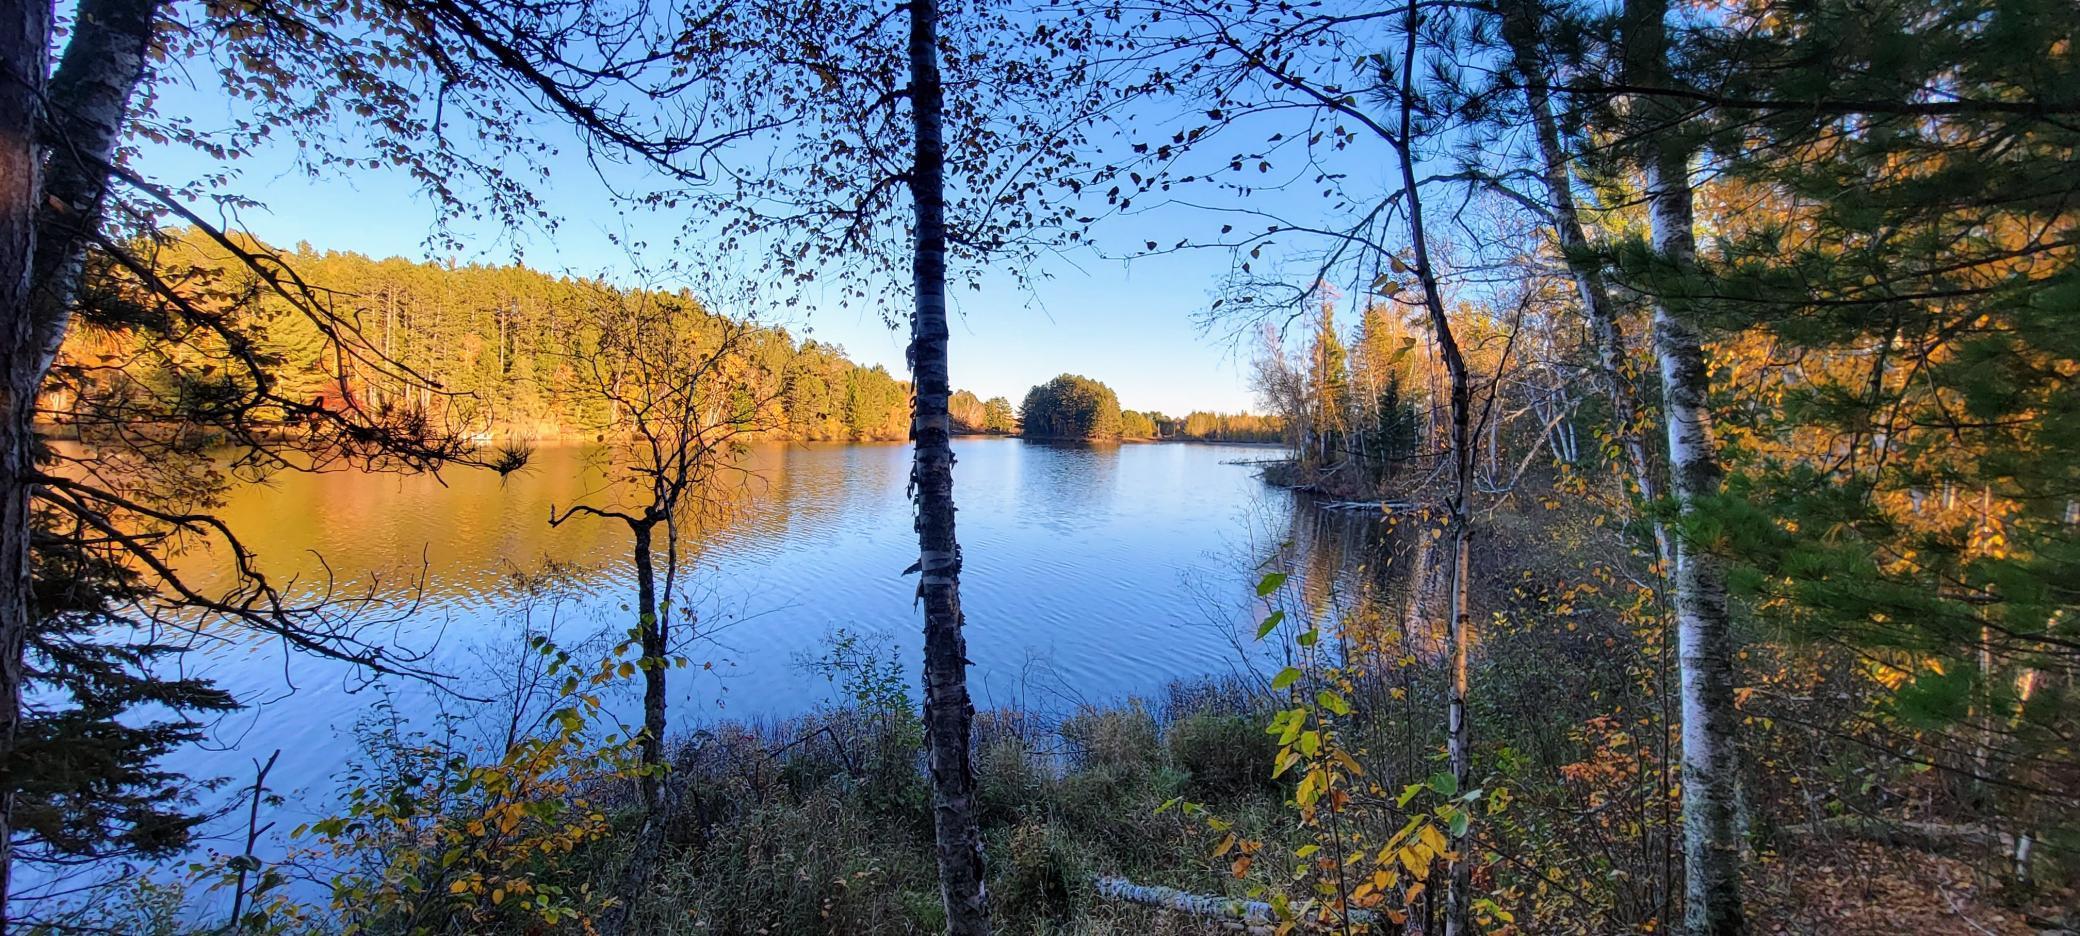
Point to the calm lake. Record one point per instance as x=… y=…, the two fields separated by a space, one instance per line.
x=1091 y=573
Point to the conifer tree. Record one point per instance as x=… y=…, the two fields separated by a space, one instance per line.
x=1906 y=492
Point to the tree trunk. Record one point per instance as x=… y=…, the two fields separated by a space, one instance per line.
x=90 y=98
x=1522 y=29
x=650 y=630
x=24 y=35
x=1250 y=916
x=1459 y=618
x=650 y=637
x=50 y=209
x=947 y=711
x=1704 y=629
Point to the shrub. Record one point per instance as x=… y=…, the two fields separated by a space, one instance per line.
x=434 y=836
x=1040 y=879
x=1225 y=755
x=1123 y=739
x=1010 y=779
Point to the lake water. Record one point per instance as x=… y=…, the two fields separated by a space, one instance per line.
x=1090 y=573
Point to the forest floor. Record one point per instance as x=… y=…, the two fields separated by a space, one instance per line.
x=1866 y=889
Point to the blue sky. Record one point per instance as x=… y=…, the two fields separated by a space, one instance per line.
x=1128 y=323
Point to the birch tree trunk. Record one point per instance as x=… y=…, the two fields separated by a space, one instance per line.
x=1521 y=28
x=947 y=710
x=1704 y=629
x=50 y=209
x=90 y=98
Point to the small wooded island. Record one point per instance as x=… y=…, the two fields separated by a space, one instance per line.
x=1072 y=408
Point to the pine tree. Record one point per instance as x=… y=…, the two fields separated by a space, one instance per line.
x=1328 y=378
x=1908 y=489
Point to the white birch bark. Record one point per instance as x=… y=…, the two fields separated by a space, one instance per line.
x=1522 y=30
x=1704 y=629
x=1459 y=619
x=948 y=713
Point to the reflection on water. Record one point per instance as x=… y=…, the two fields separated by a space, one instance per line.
x=1089 y=574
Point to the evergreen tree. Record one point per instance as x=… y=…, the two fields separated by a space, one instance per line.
x=1908 y=489
x=1328 y=381
x=999 y=417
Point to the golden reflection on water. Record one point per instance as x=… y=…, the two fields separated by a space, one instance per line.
x=461 y=533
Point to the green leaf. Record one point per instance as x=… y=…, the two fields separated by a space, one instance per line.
x=1460 y=820
x=1271 y=622
x=1293 y=728
x=1445 y=784
x=1333 y=702
x=1285 y=678
x=1270 y=583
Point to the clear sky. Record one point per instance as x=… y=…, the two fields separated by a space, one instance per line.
x=1129 y=324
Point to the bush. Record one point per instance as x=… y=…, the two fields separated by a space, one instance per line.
x=1040 y=878
x=1010 y=779
x=1225 y=755
x=1122 y=739
x=434 y=836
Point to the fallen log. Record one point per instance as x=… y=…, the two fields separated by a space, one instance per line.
x=1381 y=506
x=1249 y=916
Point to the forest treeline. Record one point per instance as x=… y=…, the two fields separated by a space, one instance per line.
x=504 y=351
x=491 y=349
